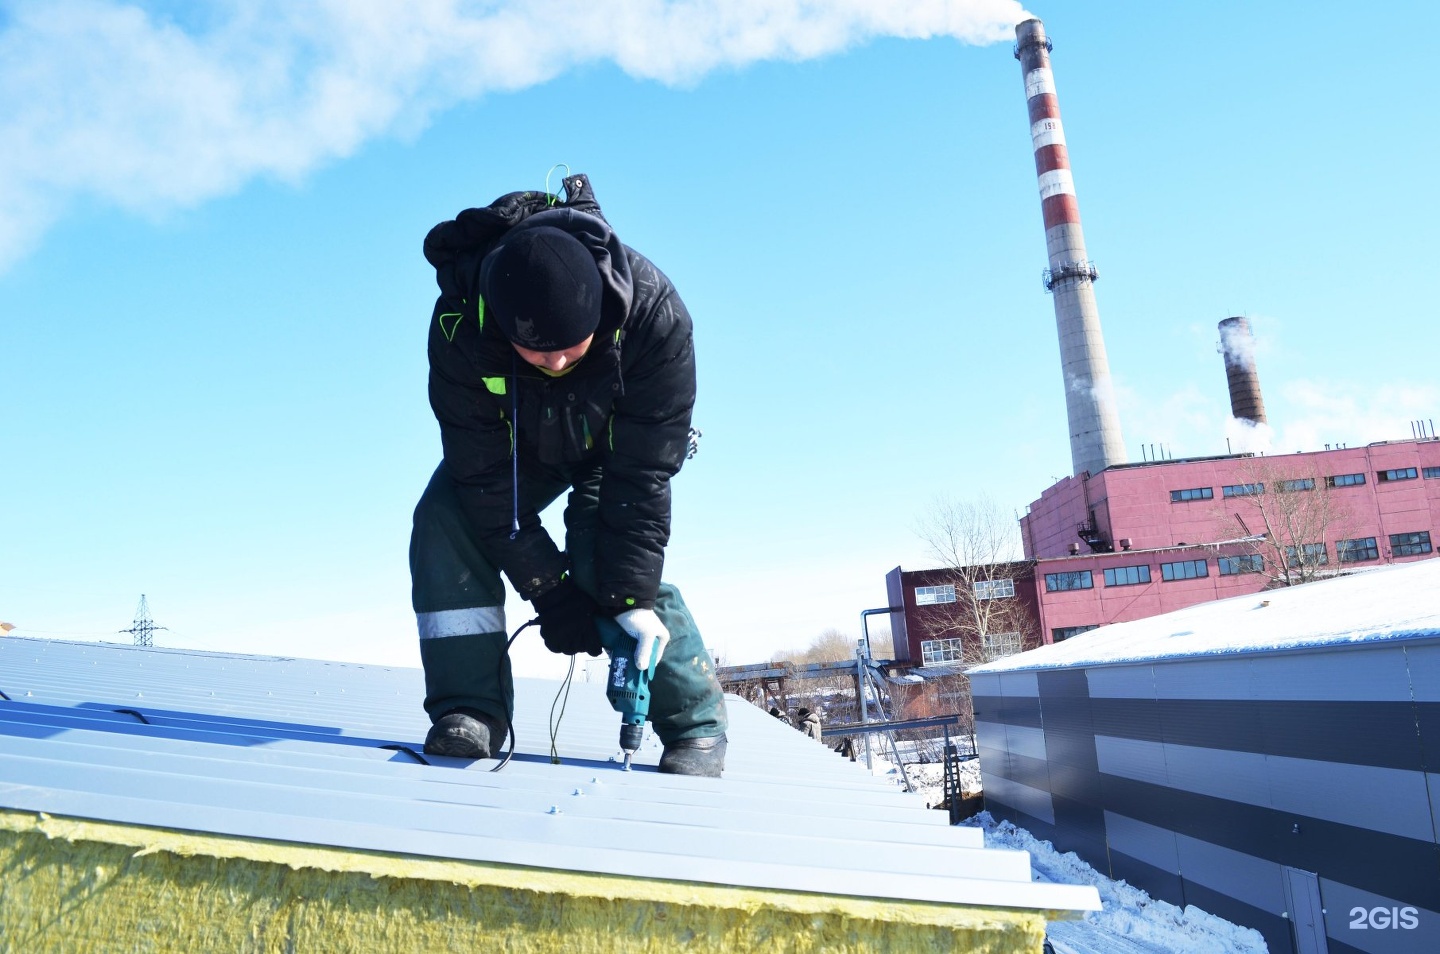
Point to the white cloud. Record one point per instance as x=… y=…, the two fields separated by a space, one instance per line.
x=1312 y=414
x=114 y=102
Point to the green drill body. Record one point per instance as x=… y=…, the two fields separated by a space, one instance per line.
x=627 y=686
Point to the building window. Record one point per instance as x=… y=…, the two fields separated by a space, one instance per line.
x=1075 y=580
x=1000 y=644
x=1302 y=483
x=1194 y=493
x=1184 y=570
x=1244 y=563
x=1410 y=544
x=934 y=652
x=1345 y=480
x=930 y=595
x=994 y=589
x=1242 y=490
x=1062 y=633
x=1431 y=473
x=1353 y=551
x=1399 y=473
x=1307 y=554
x=1127 y=575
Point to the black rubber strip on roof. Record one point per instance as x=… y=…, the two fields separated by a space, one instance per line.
x=136 y=714
x=408 y=751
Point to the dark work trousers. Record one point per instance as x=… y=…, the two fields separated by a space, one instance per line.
x=459 y=602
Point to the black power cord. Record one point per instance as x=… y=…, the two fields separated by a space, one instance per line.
x=509 y=704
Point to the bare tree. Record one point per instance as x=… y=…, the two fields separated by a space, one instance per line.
x=1288 y=511
x=978 y=547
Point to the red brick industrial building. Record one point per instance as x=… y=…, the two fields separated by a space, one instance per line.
x=1136 y=540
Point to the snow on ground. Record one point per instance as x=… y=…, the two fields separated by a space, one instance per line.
x=1130 y=922
x=928 y=779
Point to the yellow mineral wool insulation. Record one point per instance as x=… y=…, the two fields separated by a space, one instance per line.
x=76 y=886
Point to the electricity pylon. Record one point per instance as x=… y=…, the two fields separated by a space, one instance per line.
x=144 y=626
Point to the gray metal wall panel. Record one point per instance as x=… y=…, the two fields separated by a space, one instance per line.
x=1019 y=684
x=1334 y=674
x=1121 y=682
x=1021 y=797
x=1227 y=678
x=990 y=738
x=1253 y=880
x=1432 y=781
x=985 y=684
x=1380 y=862
x=1341 y=904
x=1379 y=799
x=1376 y=799
x=1234 y=776
x=1132 y=758
x=1148 y=843
x=1023 y=740
x=1424 y=665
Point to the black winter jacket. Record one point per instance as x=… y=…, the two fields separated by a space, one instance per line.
x=624 y=408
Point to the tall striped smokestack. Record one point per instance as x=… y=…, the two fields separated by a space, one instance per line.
x=1095 y=441
x=1238 y=347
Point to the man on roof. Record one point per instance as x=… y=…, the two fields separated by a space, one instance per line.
x=560 y=360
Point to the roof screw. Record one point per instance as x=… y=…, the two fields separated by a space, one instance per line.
x=578 y=791
x=554 y=810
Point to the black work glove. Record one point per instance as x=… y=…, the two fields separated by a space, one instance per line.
x=567 y=619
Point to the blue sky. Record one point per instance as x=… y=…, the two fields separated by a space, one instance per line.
x=213 y=304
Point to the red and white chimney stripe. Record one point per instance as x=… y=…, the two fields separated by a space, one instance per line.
x=1052 y=161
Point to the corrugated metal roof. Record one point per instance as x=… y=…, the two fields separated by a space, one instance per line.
x=1365 y=606
x=295 y=750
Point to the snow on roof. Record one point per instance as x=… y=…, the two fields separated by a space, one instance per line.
x=321 y=753
x=1384 y=603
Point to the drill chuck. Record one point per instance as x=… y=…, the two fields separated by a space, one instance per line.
x=631 y=736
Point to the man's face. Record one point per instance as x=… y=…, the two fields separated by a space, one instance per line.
x=554 y=362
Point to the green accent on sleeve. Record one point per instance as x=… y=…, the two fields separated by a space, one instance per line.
x=480 y=312
x=494 y=385
x=612 y=433
x=629 y=601
x=585 y=428
x=449 y=330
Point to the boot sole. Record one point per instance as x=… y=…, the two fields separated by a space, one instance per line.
x=456 y=748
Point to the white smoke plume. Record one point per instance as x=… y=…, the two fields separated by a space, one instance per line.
x=1237 y=344
x=1244 y=436
x=156 y=106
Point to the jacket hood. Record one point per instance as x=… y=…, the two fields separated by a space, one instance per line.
x=457 y=247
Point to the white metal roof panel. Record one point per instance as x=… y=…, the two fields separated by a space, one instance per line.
x=294 y=750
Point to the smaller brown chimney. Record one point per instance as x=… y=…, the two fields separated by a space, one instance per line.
x=1238 y=347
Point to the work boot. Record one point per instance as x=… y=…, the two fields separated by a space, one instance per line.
x=704 y=757
x=465 y=734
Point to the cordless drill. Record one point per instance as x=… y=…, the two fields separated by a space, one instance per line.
x=627 y=685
